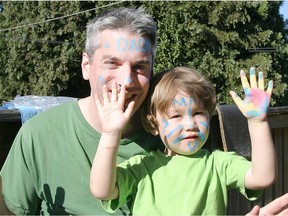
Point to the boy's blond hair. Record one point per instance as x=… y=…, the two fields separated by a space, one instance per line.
x=167 y=84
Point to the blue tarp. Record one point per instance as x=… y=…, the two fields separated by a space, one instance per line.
x=31 y=105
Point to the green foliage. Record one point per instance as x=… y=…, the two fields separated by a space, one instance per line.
x=214 y=37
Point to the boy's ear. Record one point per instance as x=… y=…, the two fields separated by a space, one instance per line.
x=155 y=132
x=153 y=127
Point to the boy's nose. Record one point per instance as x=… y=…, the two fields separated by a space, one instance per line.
x=190 y=126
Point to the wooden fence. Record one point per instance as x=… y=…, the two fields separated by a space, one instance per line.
x=228 y=132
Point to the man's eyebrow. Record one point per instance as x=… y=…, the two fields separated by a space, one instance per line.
x=110 y=57
x=143 y=62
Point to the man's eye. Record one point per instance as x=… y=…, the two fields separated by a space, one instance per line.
x=110 y=62
x=140 y=69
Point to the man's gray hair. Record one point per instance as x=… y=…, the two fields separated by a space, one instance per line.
x=134 y=20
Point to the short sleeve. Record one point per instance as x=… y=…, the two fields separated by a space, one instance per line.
x=233 y=168
x=17 y=185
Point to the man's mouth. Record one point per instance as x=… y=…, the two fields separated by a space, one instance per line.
x=129 y=98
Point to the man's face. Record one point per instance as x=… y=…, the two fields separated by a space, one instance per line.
x=124 y=58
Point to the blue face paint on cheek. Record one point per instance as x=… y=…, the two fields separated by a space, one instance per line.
x=174 y=130
x=192 y=148
x=166 y=124
x=100 y=80
x=128 y=80
x=106 y=45
x=202 y=136
x=204 y=124
x=176 y=141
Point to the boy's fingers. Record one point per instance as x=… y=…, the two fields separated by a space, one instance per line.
x=129 y=109
x=261 y=81
x=270 y=88
x=244 y=82
x=122 y=93
x=237 y=100
x=105 y=94
x=114 y=92
x=97 y=101
x=253 y=81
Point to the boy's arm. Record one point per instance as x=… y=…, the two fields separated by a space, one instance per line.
x=113 y=119
x=254 y=107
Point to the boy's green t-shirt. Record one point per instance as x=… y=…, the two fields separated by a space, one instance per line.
x=48 y=167
x=158 y=184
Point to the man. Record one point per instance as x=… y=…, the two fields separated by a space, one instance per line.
x=48 y=167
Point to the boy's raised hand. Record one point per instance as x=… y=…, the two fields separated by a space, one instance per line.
x=256 y=102
x=112 y=112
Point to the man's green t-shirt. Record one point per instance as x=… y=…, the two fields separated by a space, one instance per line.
x=48 y=167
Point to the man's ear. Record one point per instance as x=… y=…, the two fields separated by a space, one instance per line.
x=85 y=64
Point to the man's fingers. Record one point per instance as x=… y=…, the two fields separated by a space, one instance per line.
x=254 y=211
x=277 y=206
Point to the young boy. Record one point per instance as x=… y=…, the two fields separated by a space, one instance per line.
x=183 y=178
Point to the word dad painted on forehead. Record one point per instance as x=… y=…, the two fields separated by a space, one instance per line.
x=133 y=45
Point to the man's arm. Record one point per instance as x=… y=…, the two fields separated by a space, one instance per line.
x=3 y=208
x=254 y=107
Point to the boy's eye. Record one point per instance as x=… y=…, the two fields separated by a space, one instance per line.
x=201 y=113
x=176 y=116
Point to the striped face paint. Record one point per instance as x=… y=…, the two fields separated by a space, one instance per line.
x=186 y=128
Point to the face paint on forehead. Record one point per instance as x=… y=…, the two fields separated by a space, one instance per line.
x=180 y=102
x=133 y=45
x=183 y=101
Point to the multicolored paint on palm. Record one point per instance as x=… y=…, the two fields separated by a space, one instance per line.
x=256 y=102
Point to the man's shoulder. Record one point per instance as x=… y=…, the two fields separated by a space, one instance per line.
x=50 y=117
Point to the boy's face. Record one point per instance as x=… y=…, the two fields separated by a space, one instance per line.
x=185 y=129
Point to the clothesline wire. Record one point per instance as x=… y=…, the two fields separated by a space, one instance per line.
x=57 y=18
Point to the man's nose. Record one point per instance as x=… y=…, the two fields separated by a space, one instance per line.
x=128 y=78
